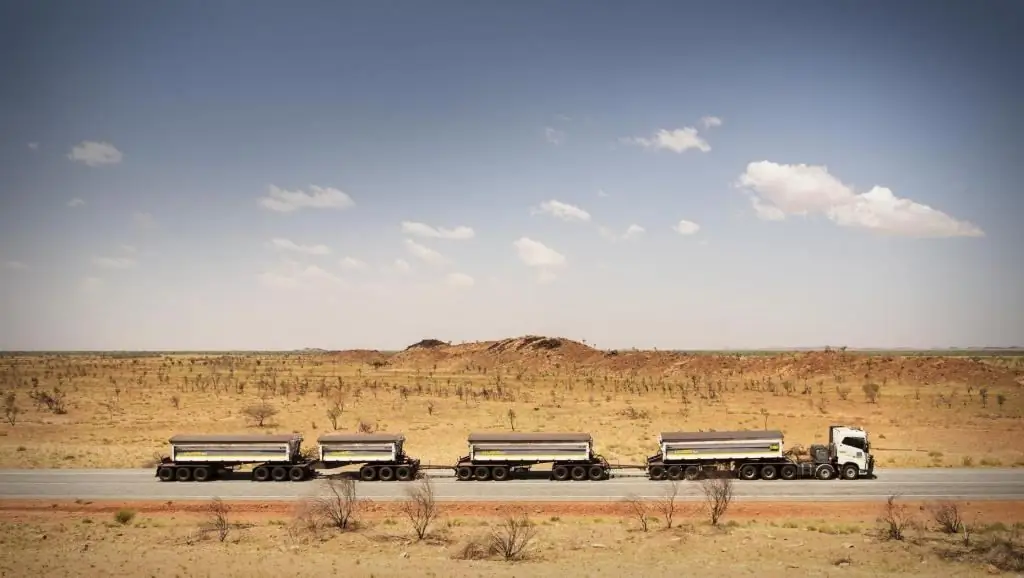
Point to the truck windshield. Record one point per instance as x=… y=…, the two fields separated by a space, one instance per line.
x=859 y=443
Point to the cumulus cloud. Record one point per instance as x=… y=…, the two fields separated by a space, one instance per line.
x=459 y=233
x=563 y=211
x=294 y=276
x=95 y=154
x=284 y=201
x=677 y=141
x=459 y=280
x=423 y=253
x=114 y=262
x=401 y=266
x=289 y=245
x=553 y=135
x=710 y=121
x=33 y=145
x=802 y=190
x=76 y=202
x=539 y=256
x=352 y=264
x=684 y=227
x=633 y=231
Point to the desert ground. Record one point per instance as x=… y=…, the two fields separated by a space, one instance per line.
x=118 y=410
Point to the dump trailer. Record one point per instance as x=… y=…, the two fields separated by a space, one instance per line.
x=382 y=455
x=499 y=456
x=202 y=457
x=761 y=454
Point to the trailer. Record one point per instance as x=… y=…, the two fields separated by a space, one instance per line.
x=382 y=455
x=276 y=457
x=761 y=454
x=499 y=456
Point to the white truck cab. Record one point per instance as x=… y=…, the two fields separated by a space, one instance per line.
x=852 y=452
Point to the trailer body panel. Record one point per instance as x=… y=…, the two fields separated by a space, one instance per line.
x=225 y=449
x=736 y=445
x=361 y=448
x=530 y=447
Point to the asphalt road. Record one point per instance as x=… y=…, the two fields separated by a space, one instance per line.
x=909 y=484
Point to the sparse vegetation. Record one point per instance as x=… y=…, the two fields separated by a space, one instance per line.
x=512 y=538
x=640 y=511
x=124 y=516
x=718 y=493
x=420 y=507
x=341 y=506
x=896 y=518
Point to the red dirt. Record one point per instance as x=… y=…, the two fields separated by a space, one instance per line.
x=982 y=511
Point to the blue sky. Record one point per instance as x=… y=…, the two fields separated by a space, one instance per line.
x=222 y=175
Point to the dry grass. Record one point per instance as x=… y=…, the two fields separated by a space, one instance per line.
x=111 y=411
x=51 y=544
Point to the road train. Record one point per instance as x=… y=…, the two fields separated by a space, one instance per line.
x=500 y=456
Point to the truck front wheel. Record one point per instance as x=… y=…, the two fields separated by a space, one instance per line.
x=851 y=472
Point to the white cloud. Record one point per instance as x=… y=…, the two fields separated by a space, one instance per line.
x=678 y=140
x=459 y=280
x=76 y=202
x=710 y=121
x=15 y=265
x=601 y=193
x=553 y=135
x=95 y=154
x=114 y=262
x=806 y=189
x=288 y=245
x=425 y=254
x=33 y=145
x=401 y=266
x=294 y=276
x=144 y=220
x=536 y=254
x=423 y=230
x=321 y=198
x=563 y=211
x=352 y=264
x=685 y=227
x=632 y=232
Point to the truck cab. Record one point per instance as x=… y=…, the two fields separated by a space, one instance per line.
x=851 y=452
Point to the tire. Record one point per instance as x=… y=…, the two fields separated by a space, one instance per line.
x=297 y=473
x=579 y=473
x=824 y=472
x=596 y=473
x=368 y=473
x=261 y=473
x=201 y=474
x=386 y=473
x=748 y=472
x=499 y=473
x=787 y=472
x=482 y=473
x=656 y=472
x=464 y=473
x=560 y=473
x=769 y=472
x=166 y=474
x=674 y=472
x=691 y=473
x=183 y=474
x=404 y=473
x=279 y=473
x=850 y=472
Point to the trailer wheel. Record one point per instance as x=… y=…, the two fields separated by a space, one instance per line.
x=769 y=472
x=279 y=474
x=404 y=473
x=201 y=474
x=183 y=474
x=464 y=473
x=851 y=472
x=691 y=473
x=787 y=472
x=385 y=473
x=748 y=472
x=824 y=472
x=579 y=473
x=368 y=473
x=596 y=473
x=482 y=473
x=165 y=473
x=674 y=472
x=560 y=473
x=261 y=473
x=297 y=473
x=656 y=472
x=499 y=473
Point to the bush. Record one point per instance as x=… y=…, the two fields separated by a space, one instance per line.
x=124 y=516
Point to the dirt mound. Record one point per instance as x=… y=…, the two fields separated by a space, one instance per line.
x=428 y=344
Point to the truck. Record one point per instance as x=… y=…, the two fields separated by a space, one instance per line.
x=382 y=455
x=202 y=457
x=499 y=456
x=752 y=455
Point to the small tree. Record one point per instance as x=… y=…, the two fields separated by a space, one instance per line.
x=333 y=414
x=718 y=494
x=895 y=519
x=947 y=516
x=871 y=391
x=638 y=509
x=667 y=504
x=260 y=413
x=512 y=419
x=11 y=409
x=421 y=508
x=219 y=522
x=341 y=505
x=511 y=539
